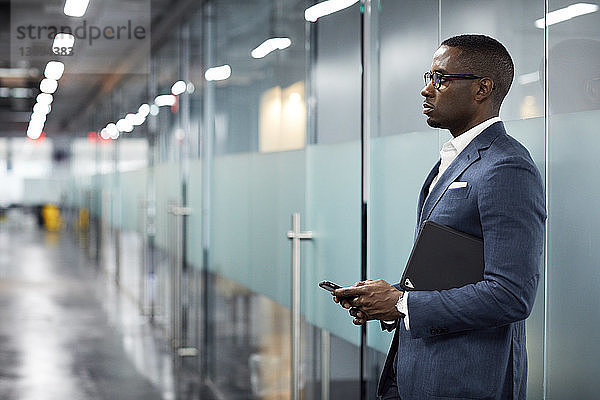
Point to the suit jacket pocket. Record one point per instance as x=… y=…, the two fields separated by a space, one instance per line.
x=458 y=193
x=464 y=366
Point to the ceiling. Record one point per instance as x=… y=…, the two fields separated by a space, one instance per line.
x=91 y=73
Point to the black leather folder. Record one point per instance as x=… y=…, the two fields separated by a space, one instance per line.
x=443 y=258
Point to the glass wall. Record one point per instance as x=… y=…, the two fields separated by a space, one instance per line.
x=573 y=84
x=404 y=149
x=285 y=133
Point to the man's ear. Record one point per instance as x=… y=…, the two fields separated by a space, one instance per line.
x=484 y=89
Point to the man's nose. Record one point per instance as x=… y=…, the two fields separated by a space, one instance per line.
x=427 y=90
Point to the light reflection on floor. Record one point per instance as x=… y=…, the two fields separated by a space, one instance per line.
x=66 y=332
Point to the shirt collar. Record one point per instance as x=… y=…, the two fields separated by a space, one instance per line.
x=463 y=140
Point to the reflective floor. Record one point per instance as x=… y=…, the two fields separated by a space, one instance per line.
x=66 y=331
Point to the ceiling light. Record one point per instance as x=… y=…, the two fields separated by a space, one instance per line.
x=325 y=8
x=65 y=40
x=190 y=87
x=270 y=45
x=135 y=119
x=44 y=98
x=39 y=108
x=48 y=85
x=111 y=128
x=105 y=134
x=154 y=110
x=165 y=100
x=124 y=125
x=144 y=110
x=76 y=8
x=218 y=73
x=35 y=116
x=178 y=88
x=54 y=70
x=34 y=134
x=35 y=126
x=567 y=13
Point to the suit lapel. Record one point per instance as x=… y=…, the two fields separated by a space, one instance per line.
x=467 y=157
x=425 y=189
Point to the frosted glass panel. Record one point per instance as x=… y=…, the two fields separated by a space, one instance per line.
x=133 y=192
x=574 y=199
x=254 y=196
x=168 y=190
x=333 y=214
x=531 y=133
x=573 y=292
x=400 y=164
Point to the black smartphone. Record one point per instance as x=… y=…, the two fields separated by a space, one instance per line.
x=330 y=286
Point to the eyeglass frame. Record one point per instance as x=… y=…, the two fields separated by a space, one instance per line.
x=448 y=77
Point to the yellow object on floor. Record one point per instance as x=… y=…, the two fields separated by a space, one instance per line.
x=51 y=216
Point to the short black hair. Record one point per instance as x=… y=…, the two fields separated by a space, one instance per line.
x=485 y=56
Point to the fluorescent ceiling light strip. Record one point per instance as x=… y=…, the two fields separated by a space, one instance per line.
x=111 y=130
x=178 y=88
x=165 y=100
x=144 y=110
x=63 y=40
x=269 y=46
x=567 y=13
x=135 y=119
x=48 y=85
x=76 y=8
x=44 y=98
x=105 y=134
x=325 y=8
x=218 y=73
x=54 y=70
x=124 y=125
x=35 y=126
x=39 y=108
x=34 y=134
x=38 y=117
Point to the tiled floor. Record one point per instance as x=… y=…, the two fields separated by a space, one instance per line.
x=67 y=333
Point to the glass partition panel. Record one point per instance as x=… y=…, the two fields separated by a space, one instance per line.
x=573 y=276
x=403 y=149
x=409 y=34
x=512 y=23
x=262 y=173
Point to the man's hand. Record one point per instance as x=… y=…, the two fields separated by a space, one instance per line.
x=369 y=300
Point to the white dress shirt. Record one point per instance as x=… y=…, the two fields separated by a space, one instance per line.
x=450 y=150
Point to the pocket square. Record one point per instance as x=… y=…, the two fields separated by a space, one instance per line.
x=456 y=185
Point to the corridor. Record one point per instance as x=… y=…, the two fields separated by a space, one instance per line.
x=66 y=331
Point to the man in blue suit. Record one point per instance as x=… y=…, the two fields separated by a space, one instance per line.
x=468 y=342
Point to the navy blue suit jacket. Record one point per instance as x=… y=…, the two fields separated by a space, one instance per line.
x=469 y=342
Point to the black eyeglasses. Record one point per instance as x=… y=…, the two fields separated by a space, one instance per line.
x=438 y=78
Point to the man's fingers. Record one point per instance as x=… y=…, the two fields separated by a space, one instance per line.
x=351 y=291
x=358 y=315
